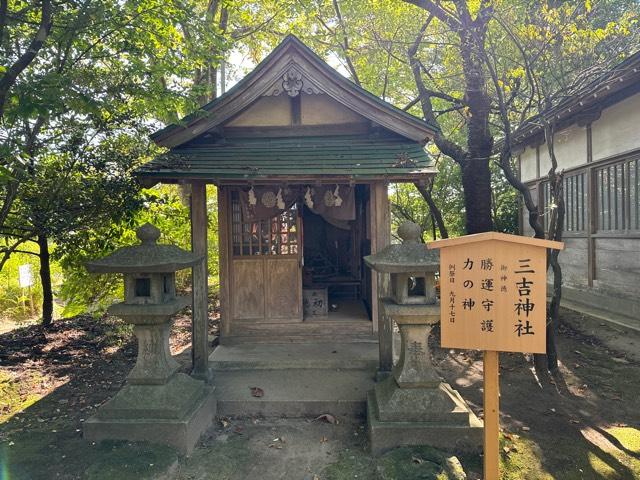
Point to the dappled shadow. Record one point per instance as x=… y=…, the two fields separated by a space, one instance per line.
x=74 y=366
x=569 y=416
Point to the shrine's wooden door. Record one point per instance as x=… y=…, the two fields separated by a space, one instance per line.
x=266 y=266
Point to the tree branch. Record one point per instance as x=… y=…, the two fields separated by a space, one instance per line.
x=345 y=44
x=437 y=11
x=11 y=75
x=446 y=146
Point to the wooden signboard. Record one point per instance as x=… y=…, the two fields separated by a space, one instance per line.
x=493 y=297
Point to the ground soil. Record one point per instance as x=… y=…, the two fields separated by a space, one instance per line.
x=584 y=425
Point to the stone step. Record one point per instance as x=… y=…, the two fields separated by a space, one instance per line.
x=294 y=393
x=325 y=327
x=295 y=339
x=331 y=356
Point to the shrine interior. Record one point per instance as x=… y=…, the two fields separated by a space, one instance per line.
x=333 y=265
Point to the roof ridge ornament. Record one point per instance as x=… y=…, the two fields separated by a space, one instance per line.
x=292 y=81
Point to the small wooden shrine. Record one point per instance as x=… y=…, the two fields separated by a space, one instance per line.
x=302 y=159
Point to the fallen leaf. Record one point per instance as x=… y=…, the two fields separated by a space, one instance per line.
x=257 y=392
x=619 y=360
x=326 y=417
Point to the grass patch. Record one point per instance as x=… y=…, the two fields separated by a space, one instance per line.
x=584 y=460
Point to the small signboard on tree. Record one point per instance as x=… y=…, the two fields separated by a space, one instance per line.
x=493 y=297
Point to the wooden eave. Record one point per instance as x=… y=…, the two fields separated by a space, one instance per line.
x=585 y=105
x=292 y=51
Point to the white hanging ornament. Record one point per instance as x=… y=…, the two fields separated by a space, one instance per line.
x=308 y=200
x=252 y=197
x=336 y=195
x=279 y=200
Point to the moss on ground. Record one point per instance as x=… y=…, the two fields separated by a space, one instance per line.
x=218 y=460
x=41 y=454
x=17 y=393
x=410 y=463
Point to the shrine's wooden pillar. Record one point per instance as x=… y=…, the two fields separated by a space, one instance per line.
x=380 y=217
x=200 y=315
x=224 y=262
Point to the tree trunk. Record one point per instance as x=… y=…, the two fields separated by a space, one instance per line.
x=476 y=181
x=436 y=215
x=45 y=279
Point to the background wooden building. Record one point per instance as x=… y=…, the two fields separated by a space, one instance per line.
x=291 y=143
x=598 y=147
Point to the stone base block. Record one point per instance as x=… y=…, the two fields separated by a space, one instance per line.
x=438 y=403
x=174 y=414
x=385 y=436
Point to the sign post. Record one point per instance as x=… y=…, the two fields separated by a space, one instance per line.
x=25 y=280
x=493 y=297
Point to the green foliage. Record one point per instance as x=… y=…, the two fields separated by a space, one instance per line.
x=75 y=122
x=15 y=302
x=166 y=207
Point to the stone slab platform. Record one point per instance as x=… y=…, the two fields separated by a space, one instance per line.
x=387 y=435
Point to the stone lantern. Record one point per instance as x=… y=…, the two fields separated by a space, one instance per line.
x=414 y=406
x=157 y=403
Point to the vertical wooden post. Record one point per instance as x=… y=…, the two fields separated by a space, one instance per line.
x=200 y=316
x=592 y=224
x=223 y=256
x=491 y=416
x=380 y=238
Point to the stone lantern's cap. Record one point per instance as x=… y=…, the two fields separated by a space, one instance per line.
x=148 y=257
x=408 y=257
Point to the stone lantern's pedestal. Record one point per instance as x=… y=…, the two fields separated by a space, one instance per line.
x=175 y=414
x=414 y=406
x=157 y=403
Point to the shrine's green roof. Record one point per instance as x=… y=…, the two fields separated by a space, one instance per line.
x=352 y=157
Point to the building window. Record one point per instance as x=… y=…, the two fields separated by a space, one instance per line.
x=575 y=201
x=617 y=191
x=274 y=236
